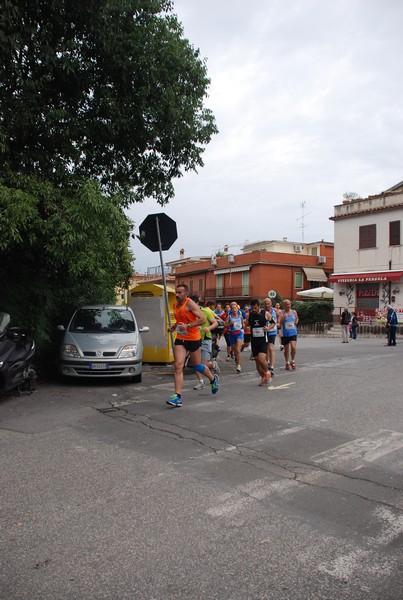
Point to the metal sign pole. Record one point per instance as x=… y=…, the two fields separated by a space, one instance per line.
x=163 y=280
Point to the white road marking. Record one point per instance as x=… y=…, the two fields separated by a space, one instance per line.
x=362 y=450
x=283 y=386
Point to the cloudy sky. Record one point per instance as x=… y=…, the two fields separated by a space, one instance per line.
x=308 y=99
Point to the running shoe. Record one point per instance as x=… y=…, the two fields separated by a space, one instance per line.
x=228 y=358
x=215 y=385
x=174 y=400
x=287 y=366
x=199 y=385
x=238 y=368
x=271 y=371
x=216 y=368
x=293 y=365
x=266 y=379
x=281 y=347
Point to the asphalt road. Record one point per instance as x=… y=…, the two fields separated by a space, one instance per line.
x=292 y=492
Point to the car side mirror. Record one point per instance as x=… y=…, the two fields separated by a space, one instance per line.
x=60 y=328
x=144 y=329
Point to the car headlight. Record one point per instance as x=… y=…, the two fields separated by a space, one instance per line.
x=128 y=351
x=70 y=351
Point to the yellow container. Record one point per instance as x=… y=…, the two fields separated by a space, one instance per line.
x=148 y=303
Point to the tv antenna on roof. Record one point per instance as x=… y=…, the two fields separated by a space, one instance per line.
x=302 y=219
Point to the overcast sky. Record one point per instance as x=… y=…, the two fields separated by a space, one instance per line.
x=308 y=99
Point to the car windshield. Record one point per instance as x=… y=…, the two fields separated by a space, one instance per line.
x=90 y=320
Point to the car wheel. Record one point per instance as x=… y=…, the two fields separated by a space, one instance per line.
x=137 y=378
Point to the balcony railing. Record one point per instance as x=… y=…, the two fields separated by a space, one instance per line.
x=228 y=292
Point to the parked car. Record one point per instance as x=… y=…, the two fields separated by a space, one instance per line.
x=102 y=341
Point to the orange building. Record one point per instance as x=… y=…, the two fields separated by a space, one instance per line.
x=282 y=266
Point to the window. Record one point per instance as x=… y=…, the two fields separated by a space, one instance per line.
x=314 y=251
x=191 y=285
x=219 y=286
x=394 y=233
x=245 y=283
x=299 y=278
x=367 y=236
x=200 y=285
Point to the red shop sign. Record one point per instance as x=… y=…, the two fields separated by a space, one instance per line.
x=368 y=293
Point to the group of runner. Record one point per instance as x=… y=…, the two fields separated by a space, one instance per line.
x=198 y=331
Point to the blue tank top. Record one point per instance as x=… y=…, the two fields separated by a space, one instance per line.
x=288 y=324
x=274 y=316
x=235 y=322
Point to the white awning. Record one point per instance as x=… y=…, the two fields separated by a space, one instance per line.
x=314 y=274
x=232 y=270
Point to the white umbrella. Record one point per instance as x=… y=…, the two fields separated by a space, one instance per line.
x=319 y=292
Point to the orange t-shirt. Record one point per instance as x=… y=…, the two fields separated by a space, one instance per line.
x=185 y=316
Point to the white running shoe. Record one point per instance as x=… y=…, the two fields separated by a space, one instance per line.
x=199 y=385
x=281 y=347
x=216 y=368
x=238 y=368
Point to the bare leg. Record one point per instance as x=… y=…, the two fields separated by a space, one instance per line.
x=287 y=352
x=271 y=354
x=180 y=357
x=237 y=351
x=261 y=364
x=195 y=359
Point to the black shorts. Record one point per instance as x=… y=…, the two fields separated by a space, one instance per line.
x=259 y=346
x=190 y=345
x=272 y=339
x=286 y=339
x=246 y=338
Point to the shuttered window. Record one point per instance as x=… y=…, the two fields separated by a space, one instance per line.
x=367 y=236
x=394 y=233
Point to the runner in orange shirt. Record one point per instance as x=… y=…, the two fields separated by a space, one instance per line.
x=188 y=318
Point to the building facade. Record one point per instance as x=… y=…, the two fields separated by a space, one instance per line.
x=368 y=259
x=282 y=266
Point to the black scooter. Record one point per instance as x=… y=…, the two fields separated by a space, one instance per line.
x=16 y=350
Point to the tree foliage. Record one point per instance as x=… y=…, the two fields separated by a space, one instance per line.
x=53 y=257
x=317 y=311
x=101 y=104
x=103 y=88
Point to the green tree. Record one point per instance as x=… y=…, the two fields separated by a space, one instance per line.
x=53 y=257
x=101 y=105
x=103 y=88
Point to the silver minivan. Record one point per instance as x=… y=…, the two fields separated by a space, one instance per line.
x=102 y=341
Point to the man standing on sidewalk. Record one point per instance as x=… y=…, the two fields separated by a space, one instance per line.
x=188 y=317
x=344 y=321
x=391 y=324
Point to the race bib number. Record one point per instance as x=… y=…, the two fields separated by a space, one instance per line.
x=258 y=332
x=181 y=329
x=289 y=324
x=236 y=324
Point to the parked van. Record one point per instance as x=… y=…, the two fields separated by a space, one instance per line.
x=102 y=341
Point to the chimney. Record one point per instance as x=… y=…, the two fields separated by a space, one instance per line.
x=181 y=253
x=226 y=249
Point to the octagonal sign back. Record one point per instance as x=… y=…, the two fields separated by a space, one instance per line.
x=149 y=232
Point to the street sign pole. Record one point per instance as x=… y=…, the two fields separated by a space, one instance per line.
x=159 y=238
x=157 y=226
